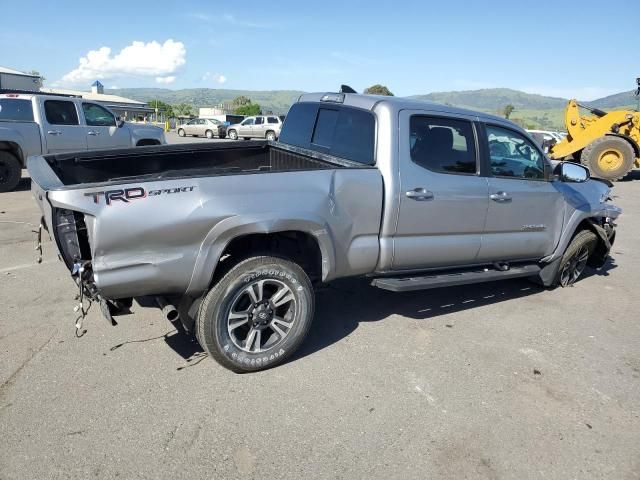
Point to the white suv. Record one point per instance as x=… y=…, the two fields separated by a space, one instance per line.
x=261 y=126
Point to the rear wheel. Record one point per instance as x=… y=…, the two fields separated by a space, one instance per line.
x=209 y=134
x=257 y=315
x=233 y=135
x=271 y=136
x=574 y=260
x=608 y=157
x=10 y=172
x=181 y=132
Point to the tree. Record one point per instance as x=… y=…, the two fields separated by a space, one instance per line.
x=378 y=89
x=249 y=109
x=241 y=101
x=162 y=107
x=184 y=109
x=508 y=110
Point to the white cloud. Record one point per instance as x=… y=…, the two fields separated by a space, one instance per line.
x=151 y=59
x=216 y=77
x=231 y=20
x=166 y=80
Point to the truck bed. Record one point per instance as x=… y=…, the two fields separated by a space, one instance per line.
x=134 y=165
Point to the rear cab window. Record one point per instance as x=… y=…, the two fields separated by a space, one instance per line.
x=16 y=110
x=61 y=112
x=338 y=130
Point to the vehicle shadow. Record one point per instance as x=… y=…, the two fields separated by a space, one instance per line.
x=341 y=307
x=24 y=185
x=632 y=175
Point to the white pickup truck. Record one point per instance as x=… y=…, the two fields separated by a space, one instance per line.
x=32 y=124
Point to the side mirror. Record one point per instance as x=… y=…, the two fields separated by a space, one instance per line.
x=572 y=172
x=119 y=122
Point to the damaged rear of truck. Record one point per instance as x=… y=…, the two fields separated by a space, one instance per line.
x=172 y=219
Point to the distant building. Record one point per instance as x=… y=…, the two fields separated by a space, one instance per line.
x=125 y=108
x=14 y=80
x=222 y=112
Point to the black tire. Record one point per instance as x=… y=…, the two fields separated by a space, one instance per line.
x=233 y=135
x=10 y=172
x=595 y=155
x=247 y=138
x=271 y=134
x=232 y=343
x=181 y=133
x=575 y=258
x=208 y=134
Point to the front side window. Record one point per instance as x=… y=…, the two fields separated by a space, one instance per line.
x=443 y=145
x=248 y=121
x=192 y=122
x=97 y=116
x=60 y=112
x=17 y=110
x=512 y=155
x=259 y=120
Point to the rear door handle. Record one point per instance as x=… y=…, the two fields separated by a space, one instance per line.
x=54 y=132
x=500 y=197
x=419 y=194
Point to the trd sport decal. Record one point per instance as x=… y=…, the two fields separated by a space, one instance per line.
x=135 y=193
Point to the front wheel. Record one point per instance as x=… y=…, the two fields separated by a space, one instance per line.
x=574 y=260
x=181 y=132
x=257 y=315
x=608 y=157
x=233 y=135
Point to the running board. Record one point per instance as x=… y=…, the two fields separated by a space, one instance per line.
x=453 y=277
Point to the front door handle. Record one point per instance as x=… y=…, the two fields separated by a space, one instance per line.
x=419 y=194
x=500 y=197
x=92 y=133
x=54 y=132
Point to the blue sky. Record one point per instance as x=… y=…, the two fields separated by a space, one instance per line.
x=583 y=48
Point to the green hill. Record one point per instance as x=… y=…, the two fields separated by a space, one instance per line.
x=531 y=110
x=494 y=99
x=277 y=101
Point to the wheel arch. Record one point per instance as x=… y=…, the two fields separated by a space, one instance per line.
x=237 y=237
x=15 y=149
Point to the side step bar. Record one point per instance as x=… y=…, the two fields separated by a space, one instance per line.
x=453 y=277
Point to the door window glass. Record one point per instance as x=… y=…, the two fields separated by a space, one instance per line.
x=512 y=155
x=97 y=116
x=248 y=121
x=259 y=120
x=272 y=120
x=60 y=112
x=443 y=145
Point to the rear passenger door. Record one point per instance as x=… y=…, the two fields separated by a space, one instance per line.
x=526 y=211
x=443 y=198
x=61 y=127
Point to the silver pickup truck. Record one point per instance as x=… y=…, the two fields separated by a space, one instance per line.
x=33 y=124
x=230 y=239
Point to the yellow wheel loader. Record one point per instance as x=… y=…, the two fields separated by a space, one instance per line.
x=608 y=143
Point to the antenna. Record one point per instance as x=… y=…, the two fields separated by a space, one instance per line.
x=348 y=89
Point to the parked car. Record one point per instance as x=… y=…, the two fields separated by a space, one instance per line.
x=35 y=124
x=203 y=127
x=261 y=126
x=410 y=194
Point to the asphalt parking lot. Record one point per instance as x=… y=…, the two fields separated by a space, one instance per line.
x=502 y=380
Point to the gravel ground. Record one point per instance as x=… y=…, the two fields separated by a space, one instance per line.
x=501 y=380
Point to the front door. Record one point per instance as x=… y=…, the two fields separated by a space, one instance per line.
x=444 y=200
x=102 y=129
x=526 y=211
x=61 y=126
x=258 y=129
x=245 y=127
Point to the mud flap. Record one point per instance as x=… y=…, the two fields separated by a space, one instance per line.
x=600 y=254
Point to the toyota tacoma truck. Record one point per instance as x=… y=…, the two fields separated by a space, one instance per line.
x=33 y=124
x=229 y=240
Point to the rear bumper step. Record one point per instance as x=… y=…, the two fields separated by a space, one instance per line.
x=453 y=277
